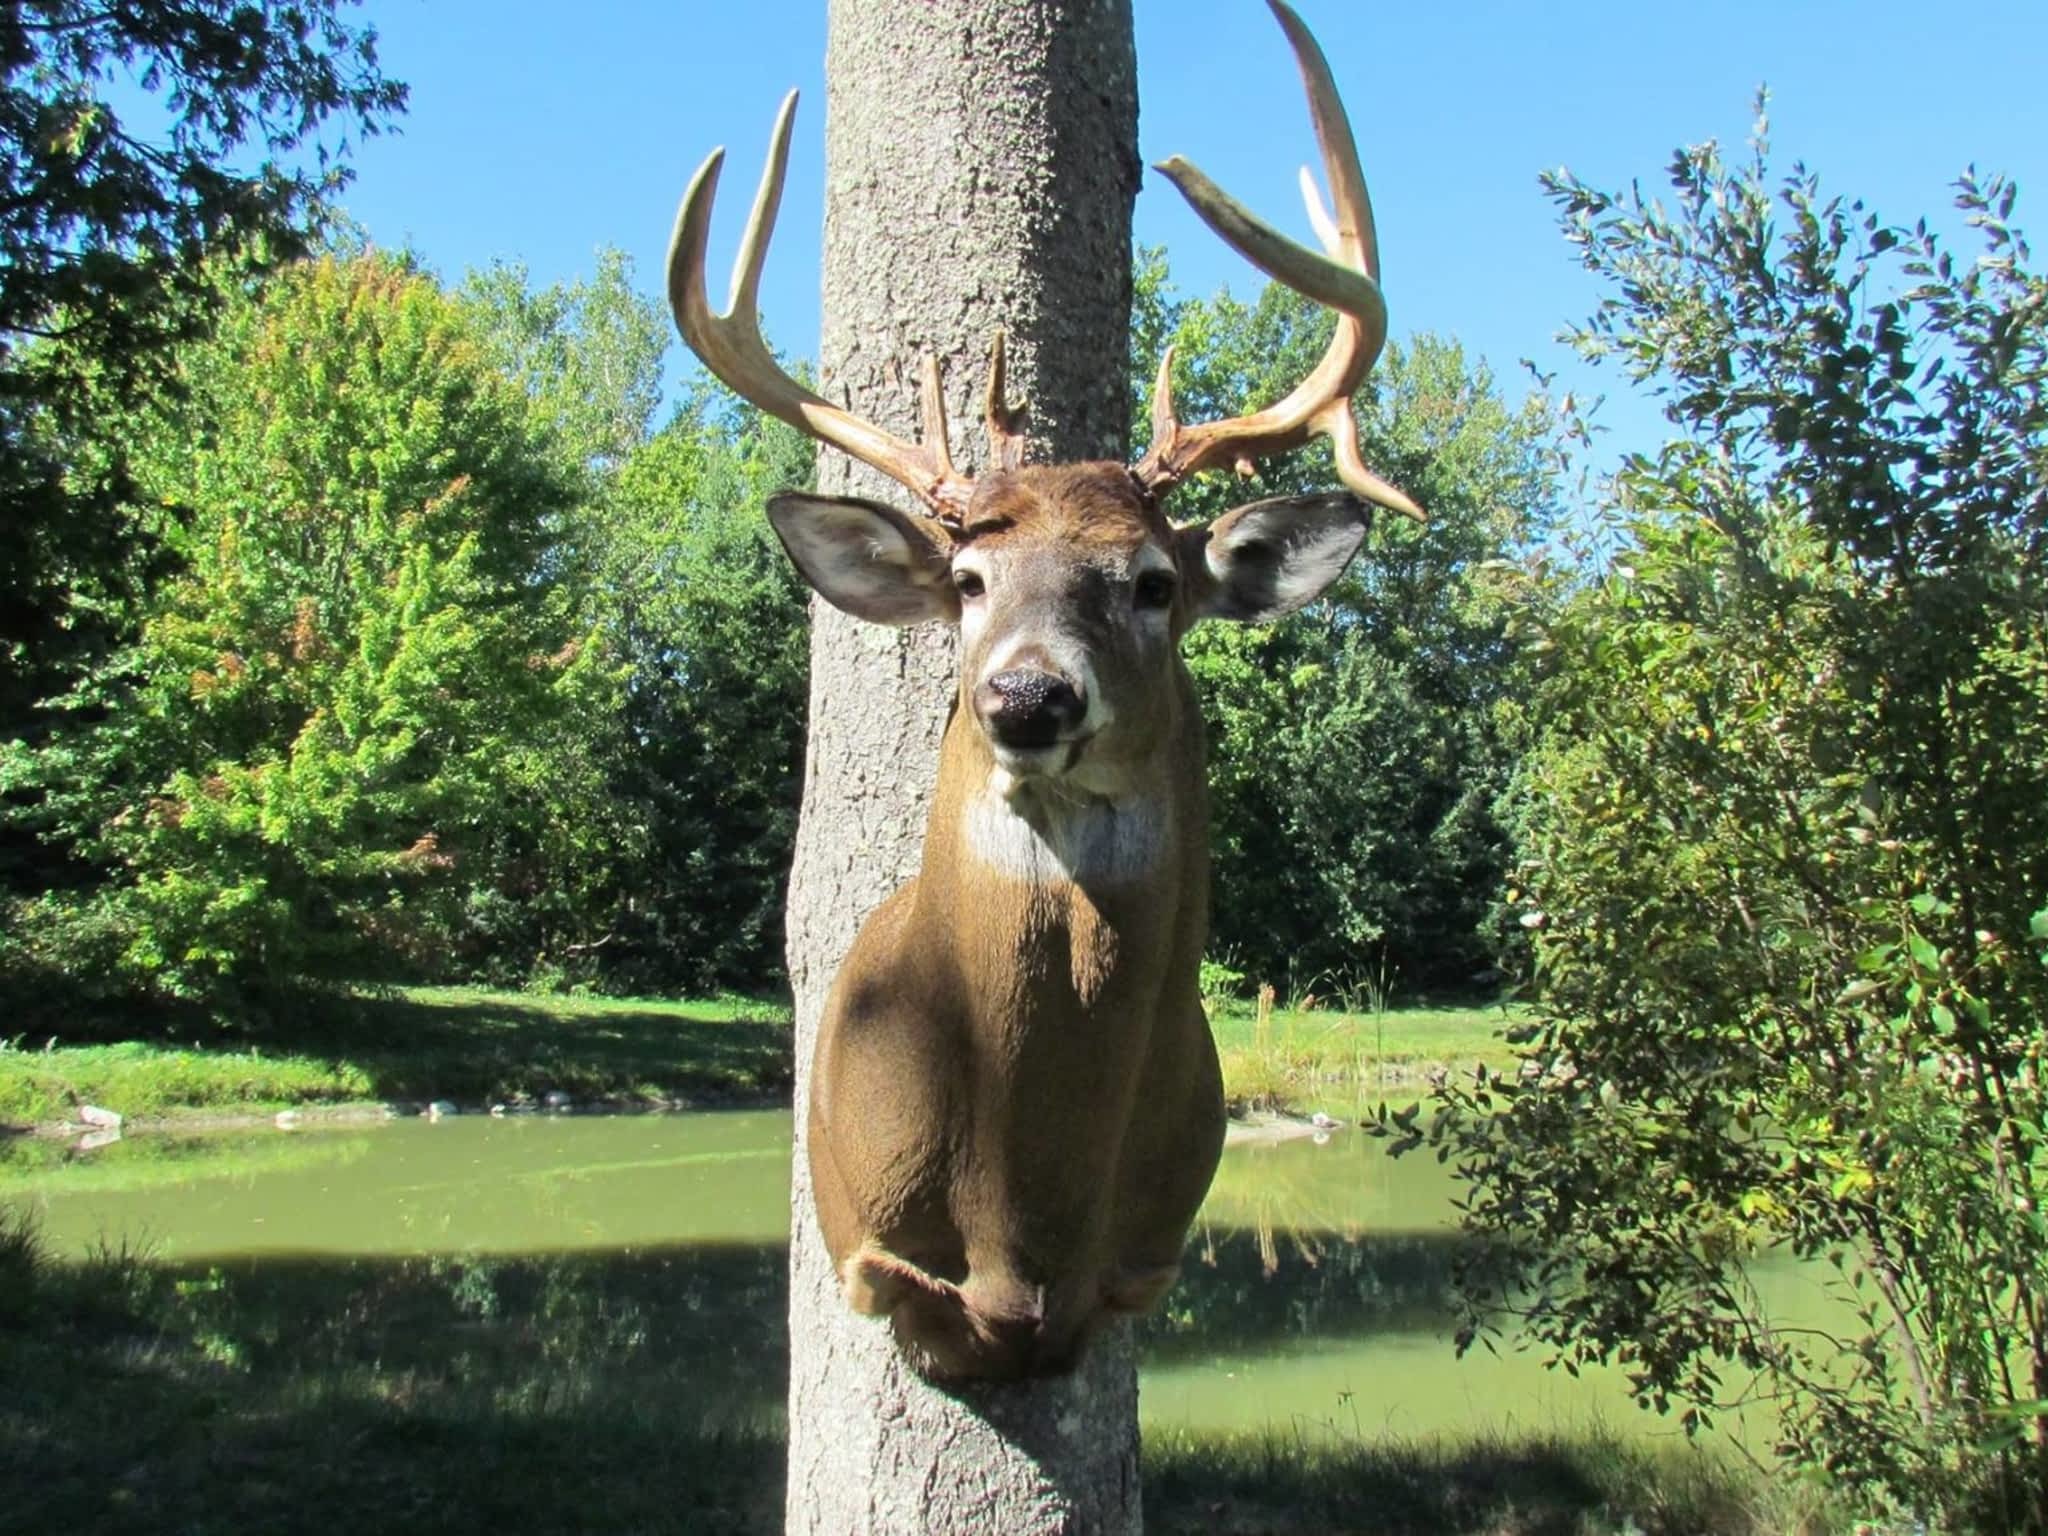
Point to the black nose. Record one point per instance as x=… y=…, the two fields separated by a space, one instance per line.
x=1027 y=708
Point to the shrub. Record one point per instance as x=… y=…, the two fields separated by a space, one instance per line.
x=1784 y=851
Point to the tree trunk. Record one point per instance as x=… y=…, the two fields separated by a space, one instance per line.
x=981 y=165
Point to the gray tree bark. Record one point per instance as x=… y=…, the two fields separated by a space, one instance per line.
x=981 y=165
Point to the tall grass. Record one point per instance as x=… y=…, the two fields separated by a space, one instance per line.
x=1346 y=1056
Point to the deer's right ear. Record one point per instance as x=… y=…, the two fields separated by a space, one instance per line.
x=868 y=559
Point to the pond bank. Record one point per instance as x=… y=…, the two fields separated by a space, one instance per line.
x=356 y=1052
x=367 y=1054
x=1247 y=1127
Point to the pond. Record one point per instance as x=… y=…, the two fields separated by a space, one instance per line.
x=1315 y=1297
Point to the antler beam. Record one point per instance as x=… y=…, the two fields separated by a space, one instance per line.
x=732 y=348
x=1346 y=280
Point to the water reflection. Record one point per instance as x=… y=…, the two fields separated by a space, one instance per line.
x=546 y=1259
x=524 y=1185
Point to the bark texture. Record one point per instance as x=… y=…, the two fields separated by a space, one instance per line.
x=981 y=166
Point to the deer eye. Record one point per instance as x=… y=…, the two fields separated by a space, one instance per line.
x=1154 y=589
x=969 y=583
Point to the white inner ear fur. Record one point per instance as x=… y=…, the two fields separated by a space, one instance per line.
x=861 y=562
x=1308 y=543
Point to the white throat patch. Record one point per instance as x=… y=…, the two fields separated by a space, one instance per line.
x=1035 y=837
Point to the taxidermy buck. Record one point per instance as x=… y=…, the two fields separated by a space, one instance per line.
x=1015 y=1106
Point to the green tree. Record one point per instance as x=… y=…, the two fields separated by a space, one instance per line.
x=689 y=590
x=1785 y=850
x=588 y=352
x=353 y=725
x=107 y=230
x=701 y=605
x=1357 y=749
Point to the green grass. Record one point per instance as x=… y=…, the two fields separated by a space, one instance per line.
x=1323 y=1058
x=142 y=1080
x=475 y=1046
x=412 y=1045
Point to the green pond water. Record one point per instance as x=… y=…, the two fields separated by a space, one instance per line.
x=1315 y=1297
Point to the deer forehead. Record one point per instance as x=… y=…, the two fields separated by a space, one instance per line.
x=1094 y=513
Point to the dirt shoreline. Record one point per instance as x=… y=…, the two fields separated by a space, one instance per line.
x=1254 y=1127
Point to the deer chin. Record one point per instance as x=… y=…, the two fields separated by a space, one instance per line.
x=1017 y=767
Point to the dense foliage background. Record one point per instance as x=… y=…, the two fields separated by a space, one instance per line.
x=1357 y=749
x=454 y=665
x=1783 y=850
x=147 y=152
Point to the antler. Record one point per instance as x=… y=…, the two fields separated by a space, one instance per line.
x=731 y=346
x=1347 y=281
x=1006 y=441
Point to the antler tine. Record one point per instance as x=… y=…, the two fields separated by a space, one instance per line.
x=731 y=346
x=1357 y=238
x=1346 y=280
x=1006 y=441
x=1164 y=424
x=1319 y=218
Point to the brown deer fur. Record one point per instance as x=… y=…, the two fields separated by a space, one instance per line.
x=1015 y=1106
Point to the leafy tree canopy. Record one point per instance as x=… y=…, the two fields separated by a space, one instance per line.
x=352 y=714
x=118 y=126
x=139 y=144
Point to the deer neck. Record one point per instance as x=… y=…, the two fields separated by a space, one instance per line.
x=1075 y=892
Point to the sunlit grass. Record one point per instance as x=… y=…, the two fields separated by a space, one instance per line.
x=476 y=1045
x=1281 y=1057
x=411 y=1045
x=136 y=1078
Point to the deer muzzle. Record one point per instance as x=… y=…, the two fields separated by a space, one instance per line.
x=1028 y=710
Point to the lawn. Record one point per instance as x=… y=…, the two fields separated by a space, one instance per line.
x=1322 y=1058
x=474 y=1047
x=412 y=1045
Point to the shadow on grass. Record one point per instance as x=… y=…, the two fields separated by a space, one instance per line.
x=486 y=1045
x=635 y=1391
x=1578 y=1487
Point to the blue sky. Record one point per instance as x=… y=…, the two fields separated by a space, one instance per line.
x=540 y=133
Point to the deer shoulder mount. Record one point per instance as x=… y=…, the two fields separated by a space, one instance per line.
x=1015 y=1105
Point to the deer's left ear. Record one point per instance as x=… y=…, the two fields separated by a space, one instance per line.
x=1266 y=559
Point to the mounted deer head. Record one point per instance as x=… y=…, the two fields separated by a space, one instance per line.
x=997 y=1214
